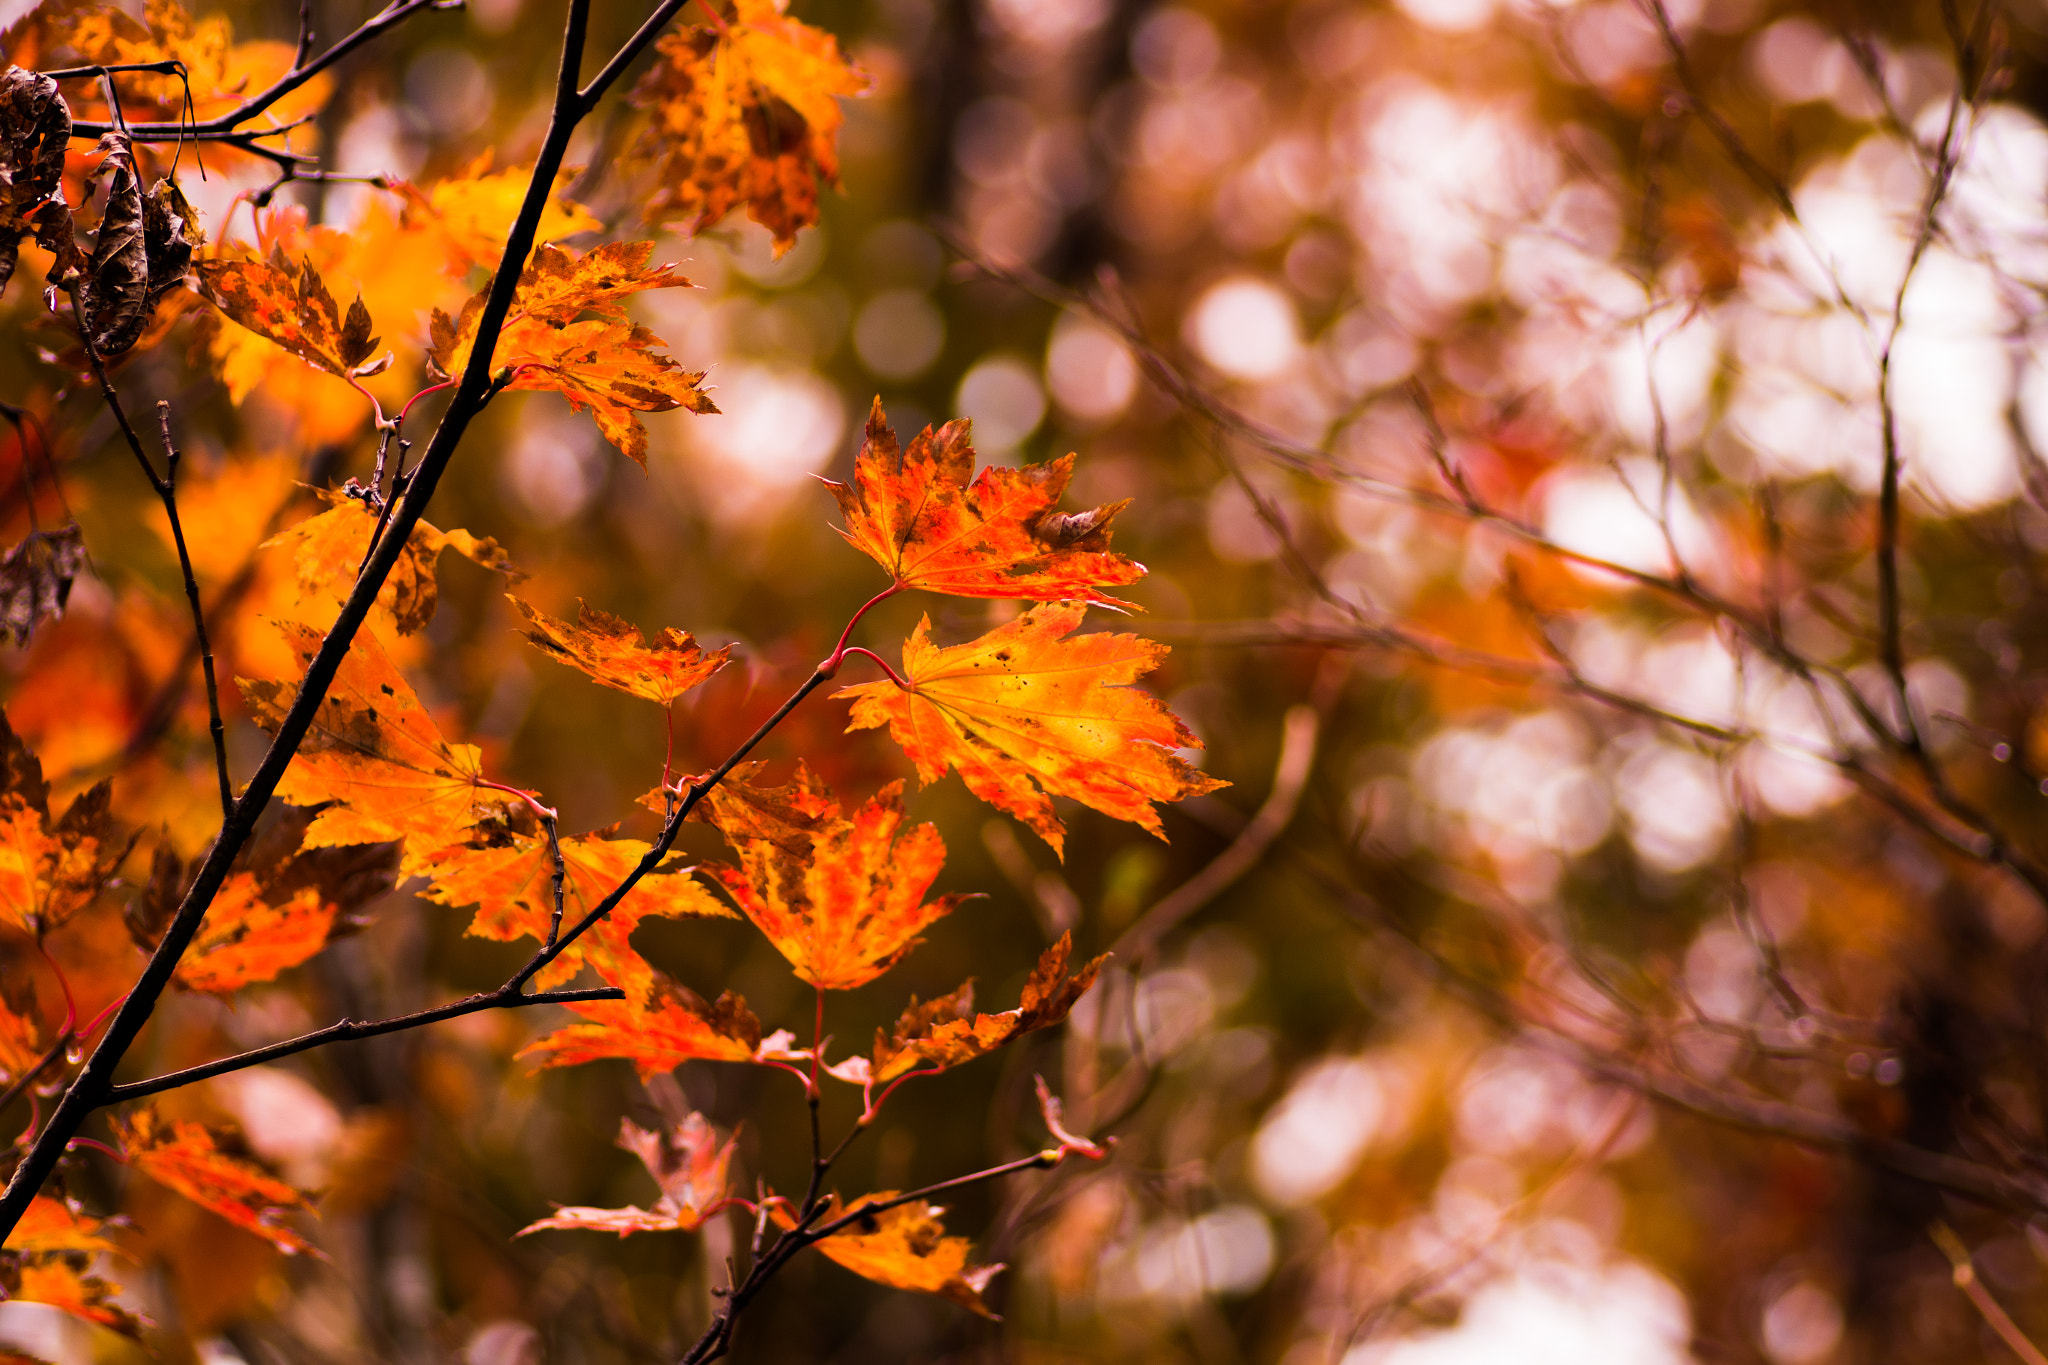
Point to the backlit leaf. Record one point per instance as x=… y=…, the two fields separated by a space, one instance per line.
x=687 y=1162
x=278 y=907
x=468 y=212
x=1026 y=715
x=21 y=1035
x=51 y=1225
x=375 y=752
x=613 y=652
x=246 y=938
x=660 y=1025
x=923 y=515
x=188 y=1158
x=906 y=1247
x=58 y=1283
x=606 y=363
x=328 y=551
x=945 y=1032
x=745 y=113
x=291 y=306
x=512 y=885
x=842 y=899
x=50 y=870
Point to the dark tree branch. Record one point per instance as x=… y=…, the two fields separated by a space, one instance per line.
x=348 y=1030
x=167 y=491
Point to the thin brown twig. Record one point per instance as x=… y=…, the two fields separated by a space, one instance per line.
x=1746 y=1113
x=1994 y=1315
x=1298 y=730
x=348 y=1030
x=168 y=492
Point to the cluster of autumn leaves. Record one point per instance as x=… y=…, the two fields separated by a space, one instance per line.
x=741 y=112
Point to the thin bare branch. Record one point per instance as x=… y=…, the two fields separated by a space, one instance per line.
x=167 y=491
x=348 y=1030
x=1290 y=775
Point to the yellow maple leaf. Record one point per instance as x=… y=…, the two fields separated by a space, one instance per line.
x=1026 y=714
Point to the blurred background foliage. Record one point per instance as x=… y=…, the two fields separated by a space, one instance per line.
x=1571 y=961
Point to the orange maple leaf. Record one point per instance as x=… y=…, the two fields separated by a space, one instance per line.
x=686 y=1161
x=374 y=751
x=328 y=551
x=923 y=515
x=946 y=1032
x=50 y=870
x=658 y=1026
x=55 y=1281
x=512 y=884
x=745 y=113
x=842 y=899
x=905 y=1247
x=614 y=652
x=1025 y=715
x=278 y=907
x=468 y=211
x=291 y=306
x=247 y=938
x=50 y=1226
x=189 y=1159
x=606 y=363
x=21 y=1035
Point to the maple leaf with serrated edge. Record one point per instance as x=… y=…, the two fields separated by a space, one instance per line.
x=51 y=1226
x=375 y=752
x=50 y=870
x=904 y=1247
x=746 y=112
x=328 y=551
x=607 y=363
x=1026 y=714
x=946 y=1032
x=512 y=885
x=291 y=306
x=190 y=1159
x=280 y=904
x=924 y=516
x=658 y=1026
x=842 y=899
x=613 y=652
x=687 y=1162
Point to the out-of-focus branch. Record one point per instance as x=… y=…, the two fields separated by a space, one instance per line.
x=1290 y=775
x=1995 y=1316
x=1761 y=1115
